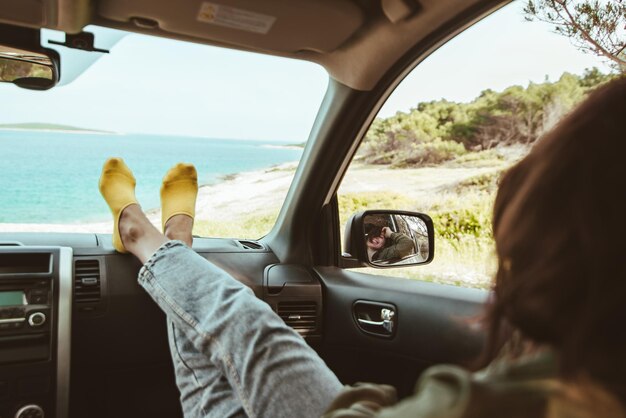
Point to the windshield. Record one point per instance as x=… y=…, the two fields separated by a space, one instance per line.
x=240 y=118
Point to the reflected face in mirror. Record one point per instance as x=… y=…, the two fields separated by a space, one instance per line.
x=394 y=239
x=374 y=236
x=376 y=242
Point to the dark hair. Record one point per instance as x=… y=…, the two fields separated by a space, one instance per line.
x=372 y=231
x=560 y=229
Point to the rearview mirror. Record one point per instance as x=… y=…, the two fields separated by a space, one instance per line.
x=24 y=62
x=390 y=238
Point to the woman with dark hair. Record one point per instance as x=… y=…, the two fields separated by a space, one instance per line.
x=556 y=343
x=559 y=228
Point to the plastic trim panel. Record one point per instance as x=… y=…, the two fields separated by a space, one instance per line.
x=64 y=332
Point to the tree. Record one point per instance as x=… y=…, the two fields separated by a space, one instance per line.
x=596 y=26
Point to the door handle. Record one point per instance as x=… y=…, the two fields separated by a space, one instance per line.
x=367 y=316
x=387 y=320
x=367 y=322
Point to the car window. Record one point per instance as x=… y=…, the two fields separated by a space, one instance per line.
x=462 y=117
x=241 y=118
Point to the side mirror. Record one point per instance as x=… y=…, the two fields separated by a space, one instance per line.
x=390 y=238
x=24 y=62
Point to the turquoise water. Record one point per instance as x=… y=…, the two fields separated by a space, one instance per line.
x=52 y=177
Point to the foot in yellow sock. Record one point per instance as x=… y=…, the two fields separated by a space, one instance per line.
x=178 y=192
x=117 y=186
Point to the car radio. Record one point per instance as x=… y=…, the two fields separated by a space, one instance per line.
x=24 y=306
x=35 y=320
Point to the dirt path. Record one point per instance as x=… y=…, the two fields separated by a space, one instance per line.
x=415 y=183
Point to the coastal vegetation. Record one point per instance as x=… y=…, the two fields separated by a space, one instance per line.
x=438 y=131
x=491 y=132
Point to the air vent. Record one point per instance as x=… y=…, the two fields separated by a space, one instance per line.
x=301 y=316
x=251 y=245
x=87 y=281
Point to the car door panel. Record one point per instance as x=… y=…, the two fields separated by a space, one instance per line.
x=433 y=324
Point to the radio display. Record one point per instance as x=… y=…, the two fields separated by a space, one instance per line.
x=12 y=298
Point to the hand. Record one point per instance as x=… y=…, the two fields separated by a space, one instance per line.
x=362 y=400
x=387 y=232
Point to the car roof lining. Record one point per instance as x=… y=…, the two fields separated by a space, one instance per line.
x=356 y=41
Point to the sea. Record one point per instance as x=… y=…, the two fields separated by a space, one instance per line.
x=52 y=176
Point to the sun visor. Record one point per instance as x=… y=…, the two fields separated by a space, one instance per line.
x=280 y=26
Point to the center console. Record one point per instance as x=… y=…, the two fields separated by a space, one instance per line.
x=35 y=329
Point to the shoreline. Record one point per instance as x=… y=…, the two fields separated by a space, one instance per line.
x=292 y=147
x=222 y=196
x=261 y=192
x=239 y=196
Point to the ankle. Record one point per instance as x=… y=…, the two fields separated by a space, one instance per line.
x=179 y=227
x=130 y=227
x=138 y=235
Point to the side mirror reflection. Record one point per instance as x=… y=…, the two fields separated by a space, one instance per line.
x=391 y=238
x=395 y=239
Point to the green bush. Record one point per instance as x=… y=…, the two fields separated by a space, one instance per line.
x=464 y=215
x=427 y=154
x=516 y=115
x=487 y=182
x=485 y=158
x=245 y=226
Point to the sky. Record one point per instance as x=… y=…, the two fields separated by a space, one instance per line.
x=159 y=86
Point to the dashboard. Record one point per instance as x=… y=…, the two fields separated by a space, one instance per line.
x=74 y=320
x=35 y=330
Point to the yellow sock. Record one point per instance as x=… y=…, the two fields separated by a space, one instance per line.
x=117 y=186
x=178 y=192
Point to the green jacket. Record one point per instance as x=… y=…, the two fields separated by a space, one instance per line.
x=524 y=388
x=397 y=245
